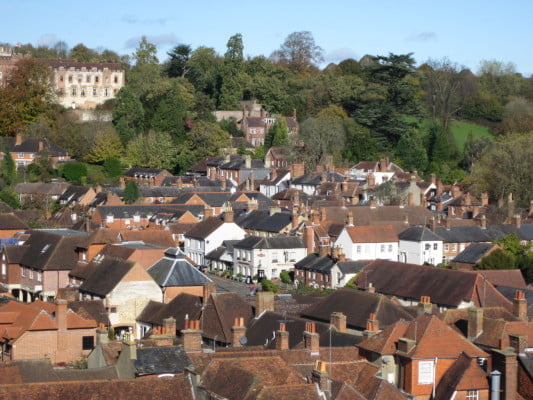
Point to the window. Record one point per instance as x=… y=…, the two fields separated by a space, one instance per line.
x=88 y=79
x=23 y=271
x=358 y=249
x=292 y=256
x=70 y=79
x=106 y=92
x=425 y=372
x=87 y=343
x=82 y=92
x=4 y=269
x=382 y=247
x=96 y=79
x=435 y=246
x=136 y=218
x=112 y=310
x=427 y=246
x=73 y=91
x=31 y=273
x=446 y=247
x=390 y=248
x=61 y=78
x=94 y=91
x=274 y=257
x=39 y=276
x=110 y=219
x=454 y=247
x=472 y=395
x=116 y=79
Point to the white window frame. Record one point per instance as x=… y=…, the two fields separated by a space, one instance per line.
x=472 y=394
x=426 y=372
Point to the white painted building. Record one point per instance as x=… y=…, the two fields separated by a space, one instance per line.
x=418 y=245
x=369 y=242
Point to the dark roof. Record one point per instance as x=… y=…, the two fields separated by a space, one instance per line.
x=250 y=219
x=279 y=242
x=314 y=262
x=91 y=309
x=352 y=267
x=143 y=172
x=204 y=228
x=31 y=145
x=509 y=293
x=106 y=276
x=161 y=360
x=418 y=234
x=10 y=221
x=524 y=232
x=463 y=234
x=357 y=305
x=14 y=253
x=473 y=253
x=176 y=270
x=72 y=194
x=53 y=249
x=316 y=178
x=274 y=223
x=180 y=306
x=213 y=199
x=144 y=211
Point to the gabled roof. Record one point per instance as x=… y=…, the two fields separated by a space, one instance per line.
x=524 y=232
x=204 y=228
x=463 y=234
x=357 y=305
x=14 y=253
x=49 y=189
x=106 y=276
x=418 y=234
x=278 y=242
x=144 y=172
x=32 y=145
x=273 y=223
x=175 y=270
x=73 y=193
x=181 y=306
x=473 y=253
x=464 y=374
x=315 y=262
x=10 y=221
x=161 y=360
x=372 y=234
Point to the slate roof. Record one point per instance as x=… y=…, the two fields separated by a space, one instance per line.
x=144 y=211
x=72 y=194
x=204 y=228
x=273 y=223
x=31 y=145
x=278 y=242
x=463 y=234
x=175 y=270
x=161 y=360
x=524 y=232
x=357 y=305
x=352 y=267
x=314 y=262
x=143 y=172
x=10 y=221
x=213 y=199
x=53 y=249
x=180 y=306
x=250 y=219
x=473 y=253
x=106 y=276
x=315 y=178
x=418 y=234
x=91 y=309
x=14 y=253
x=50 y=189
x=445 y=287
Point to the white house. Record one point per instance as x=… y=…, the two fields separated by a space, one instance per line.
x=369 y=242
x=209 y=234
x=267 y=257
x=276 y=182
x=418 y=245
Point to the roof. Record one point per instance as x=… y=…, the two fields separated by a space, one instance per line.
x=372 y=234
x=473 y=253
x=50 y=189
x=161 y=360
x=10 y=221
x=143 y=172
x=33 y=145
x=273 y=223
x=508 y=277
x=463 y=374
x=463 y=234
x=445 y=287
x=418 y=234
x=175 y=270
x=204 y=228
x=357 y=305
x=106 y=276
x=14 y=253
x=315 y=262
x=278 y=242
x=179 y=307
x=73 y=193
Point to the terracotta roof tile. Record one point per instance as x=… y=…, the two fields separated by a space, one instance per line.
x=372 y=234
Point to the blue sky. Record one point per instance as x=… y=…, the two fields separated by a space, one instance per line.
x=465 y=31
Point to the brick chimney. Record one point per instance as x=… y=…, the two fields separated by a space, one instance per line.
x=294 y=219
x=320 y=377
x=169 y=326
x=371 y=180
x=212 y=173
x=483 y=222
x=433 y=224
x=518 y=343
x=370 y=288
x=61 y=314
x=520 y=305
x=223 y=183
x=282 y=338
x=484 y=199
x=517 y=221
x=410 y=199
x=41 y=145
x=383 y=163
x=323 y=249
x=180 y=182
x=18 y=139
x=372 y=325
x=192 y=336
x=228 y=214
x=311 y=338
x=238 y=331
x=372 y=203
x=335 y=252
x=309 y=234
x=323 y=214
x=456 y=192
x=440 y=187
x=208 y=212
x=506 y=361
x=298 y=169
x=440 y=206
x=424 y=306
x=296 y=198
x=475 y=322
x=208 y=289
x=434 y=179
x=338 y=320
x=264 y=301
x=349 y=219
x=342 y=255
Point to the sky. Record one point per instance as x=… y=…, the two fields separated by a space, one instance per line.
x=463 y=31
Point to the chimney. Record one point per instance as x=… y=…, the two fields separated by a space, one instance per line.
x=208 y=212
x=433 y=224
x=517 y=220
x=321 y=378
x=510 y=205
x=484 y=199
x=298 y=169
x=344 y=185
x=309 y=238
x=440 y=206
x=102 y=335
x=518 y=343
x=406 y=219
x=192 y=336
x=323 y=214
x=520 y=305
x=209 y=289
x=282 y=338
x=506 y=361
x=424 y=306
x=247 y=161
x=455 y=191
x=335 y=252
x=223 y=183
x=129 y=347
x=323 y=249
x=483 y=222
x=228 y=214
x=350 y=219
x=434 y=179
x=238 y=331
x=18 y=139
x=495 y=385
x=530 y=211
x=212 y=173
x=448 y=224
x=41 y=145
x=61 y=314
x=253 y=205
x=180 y=182
x=264 y=301
x=315 y=217
x=371 y=180
x=475 y=322
x=468 y=199
x=440 y=188
x=405 y=345
x=294 y=219
x=311 y=338
x=342 y=255
x=370 y=288
x=338 y=320
x=296 y=197
x=383 y=163
x=372 y=325
x=227 y=158
x=169 y=326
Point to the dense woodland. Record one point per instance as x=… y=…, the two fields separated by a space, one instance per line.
x=380 y=105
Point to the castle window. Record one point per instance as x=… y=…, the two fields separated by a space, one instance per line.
x=88 y=79
x=73 y=91
x=94 y=91
x=70 y=78
x=116 y=79
x=96 y=79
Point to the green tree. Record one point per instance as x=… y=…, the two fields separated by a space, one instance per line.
x=411 y=152
x=128 y=114
x=131 y=192
x=113 y=167
x=231 y=75
x=10 y=198
x=152 y=150
x=299 y=52
x=82 y=53
x=8 y=170
x=277 y=135
x=75 y=172
x=146 y=72
x=177 y=65
x=360 y=145
x=106 y=145
x=475 y=148
x=500 y=79
x=206 y=139
x=498 y=259
x=205 y=66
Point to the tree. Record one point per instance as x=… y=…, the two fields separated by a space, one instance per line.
x=75 y=172
x=506 y=169
x=411 y=152
x=106 y=145
x=360 y=145
x=299 y=52
x=177 y=65
x=518 y=116
x=500 y=79
x=27 y=95
x=205 y=66
x=145 y=53
x=128 y=114
x=498 y=259
x=152 y=150
x=8 y=170
x=82 y=53
x=277 y=135
x=146 y=72
x=231 y=75
x=475 y=148
x=10 y=198
x=112 y=167
x=206 y=139
x=131 y=192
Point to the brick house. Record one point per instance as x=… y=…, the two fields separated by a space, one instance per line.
x=146 y=176
x=27 y=151
x=44 y=330
x=256 y=128
x=11 y=224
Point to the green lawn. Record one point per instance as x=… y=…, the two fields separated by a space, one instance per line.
x=461 y=130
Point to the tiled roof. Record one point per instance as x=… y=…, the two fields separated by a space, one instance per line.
x=14 y=253
x=204 y=228
x=50 y=189
x=10 y=222
x=473 y=253
x=372 y=234
x=180 y=306
x=161 y=238
x=172 y=271
x=106 y=276
x=509 y=277
x=464 y=374
x=161 y=360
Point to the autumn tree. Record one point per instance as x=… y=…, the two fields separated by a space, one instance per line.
x=152 y=150
x=106 y=144
x=299 y=52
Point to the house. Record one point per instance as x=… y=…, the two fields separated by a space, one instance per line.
x=472 y=255
x=277 y=157
x=77 y=195
x=256 y=128
x=369 y=242
x=277 y=181
x=175 y=274
x=44 y=330
x=26 y=151
x=125 y=287
x=10 y=278
x=49 y=192
x=456 y=238
x=45 y=265
x=309 y=183
x=222 y=258
x=375 y=172
x=145 y=176
x=208 y=234
x=266 y=257
x=394 y=191
x=412 y=356
x=11 y=224
x=418 y=245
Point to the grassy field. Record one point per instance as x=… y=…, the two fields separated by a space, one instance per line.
x=461 y=130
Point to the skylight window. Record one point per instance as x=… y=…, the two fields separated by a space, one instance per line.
x=46 y=247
